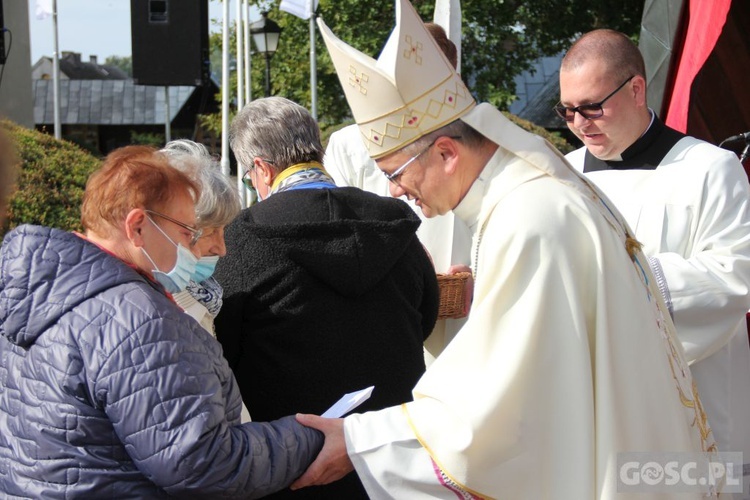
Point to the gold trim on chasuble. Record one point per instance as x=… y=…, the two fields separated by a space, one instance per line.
x=442 y=476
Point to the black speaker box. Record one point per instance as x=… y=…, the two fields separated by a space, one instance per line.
x=170 y=42
x=2 y=34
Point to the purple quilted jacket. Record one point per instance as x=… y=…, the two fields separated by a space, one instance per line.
x=108 y=390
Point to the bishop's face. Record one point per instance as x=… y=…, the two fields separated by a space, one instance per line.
x=420 y=176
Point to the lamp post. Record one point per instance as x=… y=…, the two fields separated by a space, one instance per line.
x=265 y=35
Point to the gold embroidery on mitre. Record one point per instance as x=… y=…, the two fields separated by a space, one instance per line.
x=413 y=48
x=358 y=80
x=391 y=130
x=410 y=117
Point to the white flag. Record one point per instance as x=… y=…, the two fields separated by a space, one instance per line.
x=43 y=9
x=299 y=8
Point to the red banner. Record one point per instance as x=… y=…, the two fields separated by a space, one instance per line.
x=706 y=20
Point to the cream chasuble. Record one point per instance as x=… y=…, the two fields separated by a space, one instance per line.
x=567 y=358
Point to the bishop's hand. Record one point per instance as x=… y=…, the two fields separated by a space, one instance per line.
x=332 y=463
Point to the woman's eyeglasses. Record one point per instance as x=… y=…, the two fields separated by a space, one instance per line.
x=588 y=111
x=197 y=233
x=247 y=181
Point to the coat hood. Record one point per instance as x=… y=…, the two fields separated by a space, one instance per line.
x=344 y=237
x=44 y=273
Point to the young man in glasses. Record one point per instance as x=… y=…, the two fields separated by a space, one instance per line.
x=687 y=202
x=566 y=361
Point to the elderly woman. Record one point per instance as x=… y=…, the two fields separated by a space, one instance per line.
x=326 y=290
x=108 y=389
x=217 y=206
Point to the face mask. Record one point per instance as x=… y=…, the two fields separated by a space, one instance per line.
x=178 y=278
x=205 y=268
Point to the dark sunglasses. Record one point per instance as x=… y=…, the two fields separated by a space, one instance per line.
x=588 y=111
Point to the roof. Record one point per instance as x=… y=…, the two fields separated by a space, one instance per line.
x=107 y=102
x=80 y=70
x=74 y=68
x=538 y=90
x=539 y=109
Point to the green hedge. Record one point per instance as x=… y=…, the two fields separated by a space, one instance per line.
x=51 y=179
x=553 y=137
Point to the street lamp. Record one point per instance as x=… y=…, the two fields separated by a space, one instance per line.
x=265 y=35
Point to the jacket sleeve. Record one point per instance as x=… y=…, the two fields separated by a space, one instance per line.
x=287 y=448
x=168 y=392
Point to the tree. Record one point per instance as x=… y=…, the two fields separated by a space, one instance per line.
x=501 y=38
x=124 y=63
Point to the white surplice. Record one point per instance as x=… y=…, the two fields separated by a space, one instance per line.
x=692 y=214
x=567 y=359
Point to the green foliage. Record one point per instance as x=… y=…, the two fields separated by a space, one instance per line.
x=155 y=140
x=553 y=137
x=51 y=181
x=124 y=63
x=501 y=38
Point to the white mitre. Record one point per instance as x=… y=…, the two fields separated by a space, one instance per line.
x=411 y=90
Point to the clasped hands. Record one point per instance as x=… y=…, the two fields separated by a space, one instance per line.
x=332 y=463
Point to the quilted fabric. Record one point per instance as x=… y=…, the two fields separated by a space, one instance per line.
x=108 y=390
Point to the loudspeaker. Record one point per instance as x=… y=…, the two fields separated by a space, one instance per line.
x=170 y=42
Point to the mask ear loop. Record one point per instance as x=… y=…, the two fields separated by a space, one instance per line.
x=156 y=268
x=161 y=230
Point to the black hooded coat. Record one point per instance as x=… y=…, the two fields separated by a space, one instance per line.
x=326 y=291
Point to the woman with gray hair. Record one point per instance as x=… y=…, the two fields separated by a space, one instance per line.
x=279 y=158
x=218 y=204
x=327 y=289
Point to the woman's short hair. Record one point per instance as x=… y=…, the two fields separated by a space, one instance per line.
x=131 y=177
x=219 y=202
x=277 y=130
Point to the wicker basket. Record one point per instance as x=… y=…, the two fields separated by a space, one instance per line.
x=452 y=295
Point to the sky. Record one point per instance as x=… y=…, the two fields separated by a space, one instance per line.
x=94 y=27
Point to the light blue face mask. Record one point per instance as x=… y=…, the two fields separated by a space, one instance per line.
x=178 y=278
x=205 y=267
